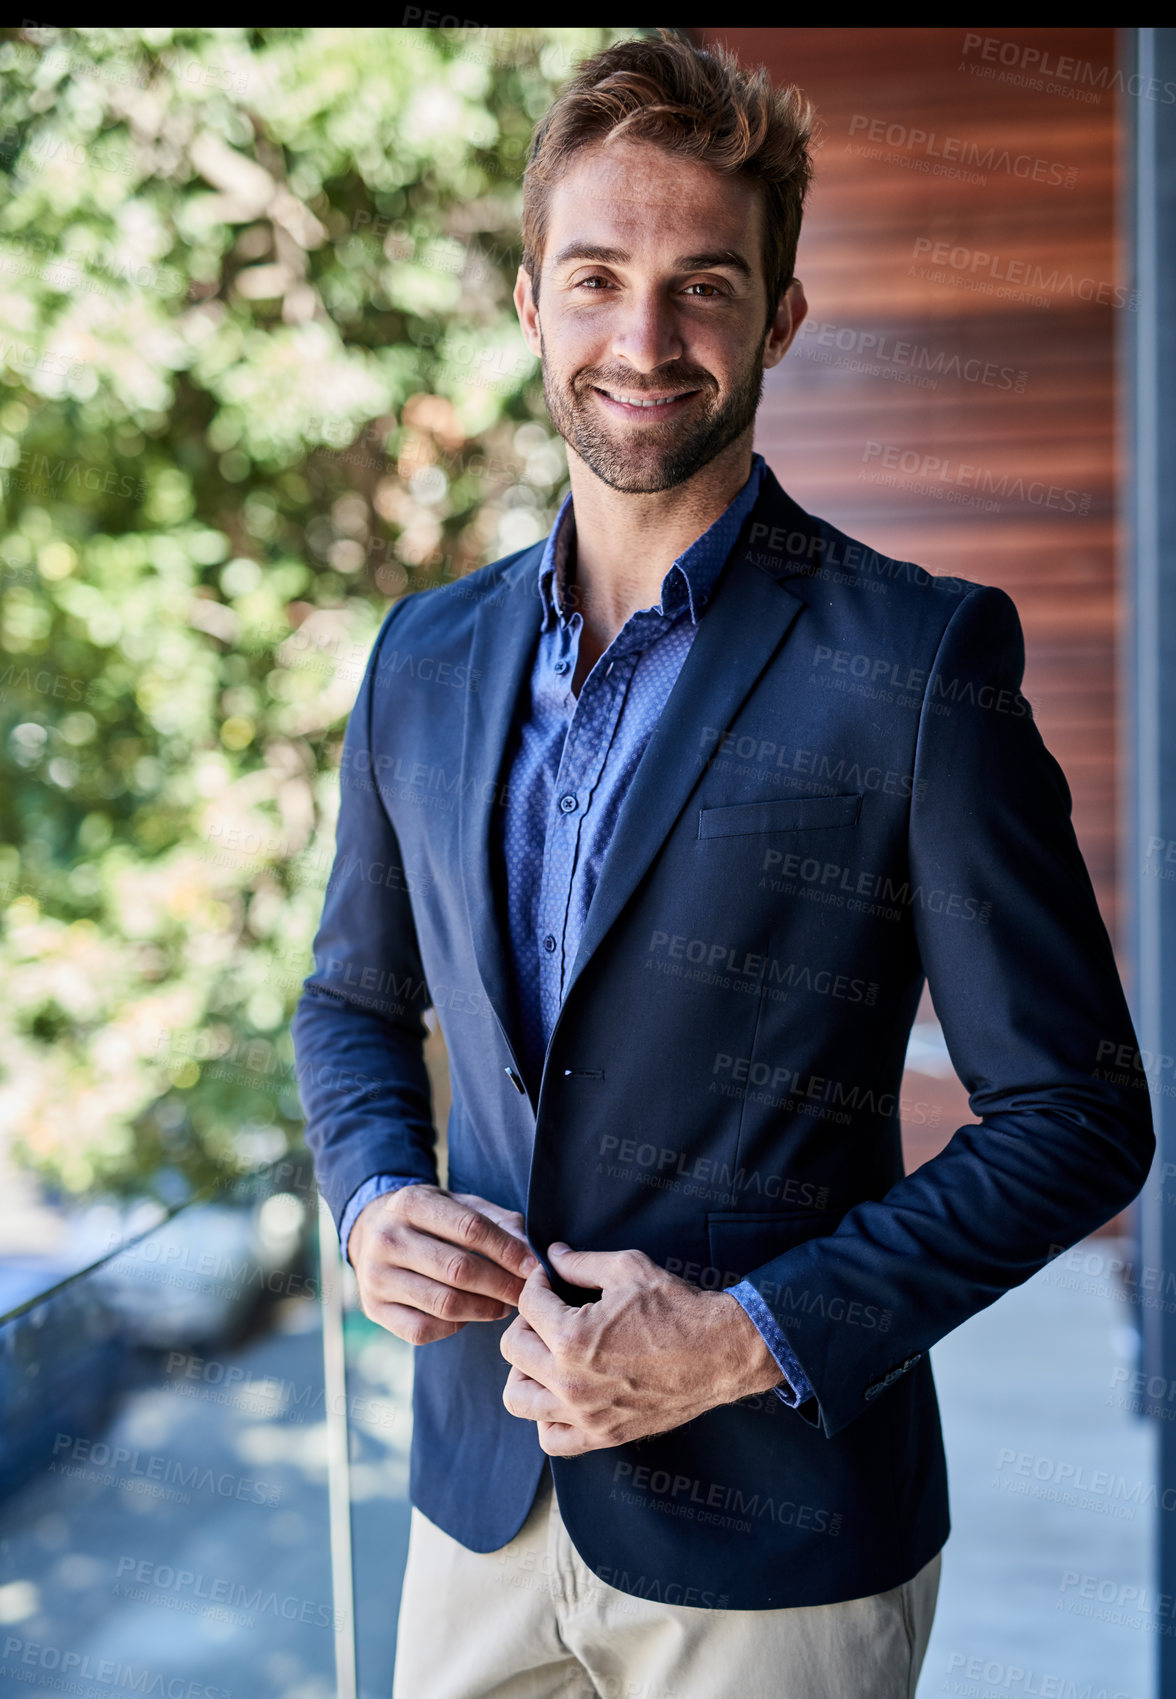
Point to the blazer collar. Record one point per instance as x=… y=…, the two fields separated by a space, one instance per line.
x=690 y=580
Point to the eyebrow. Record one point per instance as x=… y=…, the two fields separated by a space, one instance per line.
x=714 y=259
x=711 y=260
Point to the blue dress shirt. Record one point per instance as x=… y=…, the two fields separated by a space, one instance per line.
x=568 y=780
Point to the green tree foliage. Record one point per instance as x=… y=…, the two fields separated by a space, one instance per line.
x=259 y=377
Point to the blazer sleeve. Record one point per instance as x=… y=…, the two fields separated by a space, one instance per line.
x=1025 y=985
x=358 y=1029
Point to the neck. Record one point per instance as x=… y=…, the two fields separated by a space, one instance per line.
x=625 y=544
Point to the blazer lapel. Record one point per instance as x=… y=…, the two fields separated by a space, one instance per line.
x=502 y=654
x=736 y=638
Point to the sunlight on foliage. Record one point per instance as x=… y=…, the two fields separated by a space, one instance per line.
x=259 y=377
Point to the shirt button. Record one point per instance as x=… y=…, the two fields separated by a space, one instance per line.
x=568 y=804
x=562 y=666
x=703 y=600
x=549 y=943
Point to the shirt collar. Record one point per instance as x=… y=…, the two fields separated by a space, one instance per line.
x=690 y=579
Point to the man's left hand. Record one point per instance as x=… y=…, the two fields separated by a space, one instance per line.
x=651 y=1353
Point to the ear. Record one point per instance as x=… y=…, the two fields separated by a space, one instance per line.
x=790 y=315
x=528 y=312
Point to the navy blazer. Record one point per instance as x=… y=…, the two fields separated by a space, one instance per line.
x=846 y=795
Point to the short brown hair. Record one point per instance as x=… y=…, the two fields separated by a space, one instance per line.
x=698 y=102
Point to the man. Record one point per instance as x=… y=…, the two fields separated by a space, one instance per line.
x=674 y=901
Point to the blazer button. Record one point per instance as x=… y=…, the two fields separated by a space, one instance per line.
x=516 y=1080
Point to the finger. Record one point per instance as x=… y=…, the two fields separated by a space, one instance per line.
x=593 y=1268
x=508 y=1219
x=409 y=1324
x=563 y=1439
x=522 y=1346
x=465 y=1225
x=531 y=1400
x=410 y=1247
x=543 y=1309
x=401 y=1285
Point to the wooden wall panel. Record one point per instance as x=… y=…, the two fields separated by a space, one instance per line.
x=969 y=321
x=1007 y=390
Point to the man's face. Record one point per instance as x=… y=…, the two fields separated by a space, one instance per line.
x=652 y=292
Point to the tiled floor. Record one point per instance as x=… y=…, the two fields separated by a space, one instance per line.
x=1051 y=1481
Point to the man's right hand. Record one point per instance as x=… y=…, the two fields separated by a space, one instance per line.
x=427 y=1261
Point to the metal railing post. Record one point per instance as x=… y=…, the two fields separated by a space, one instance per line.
x=1149 y=77
x=338 y=1453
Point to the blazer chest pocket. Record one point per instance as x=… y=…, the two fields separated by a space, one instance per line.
x=785 y=814
x=740 y=1242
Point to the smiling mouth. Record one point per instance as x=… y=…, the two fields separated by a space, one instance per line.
x=645 y=403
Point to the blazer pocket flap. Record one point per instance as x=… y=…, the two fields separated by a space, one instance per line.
x=785 y=814
x=740 y=1242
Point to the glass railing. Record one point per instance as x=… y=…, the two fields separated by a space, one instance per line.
x=184 y=1423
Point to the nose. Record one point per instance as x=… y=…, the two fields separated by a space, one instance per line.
x=645 y=333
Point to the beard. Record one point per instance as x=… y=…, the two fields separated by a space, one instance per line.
x=652 y=456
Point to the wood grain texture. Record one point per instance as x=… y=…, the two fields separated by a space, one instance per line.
x=952 y=399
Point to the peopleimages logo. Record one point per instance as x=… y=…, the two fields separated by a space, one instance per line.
x=1065 y=74
x=969 y=1672
x=137 y=1577
x=751 y=970
x=69 y=1667
x=985 y=269
x=931 y=470
x=880 y=355
x=957 y=148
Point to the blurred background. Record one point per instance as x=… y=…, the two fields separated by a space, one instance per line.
x=260 y=376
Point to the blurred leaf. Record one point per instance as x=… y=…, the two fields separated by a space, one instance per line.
x=259 y=376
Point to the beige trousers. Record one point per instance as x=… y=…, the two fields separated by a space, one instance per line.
x=531 y=1621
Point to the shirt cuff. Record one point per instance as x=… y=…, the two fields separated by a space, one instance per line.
x=798 y=1387
x=359 y=1200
